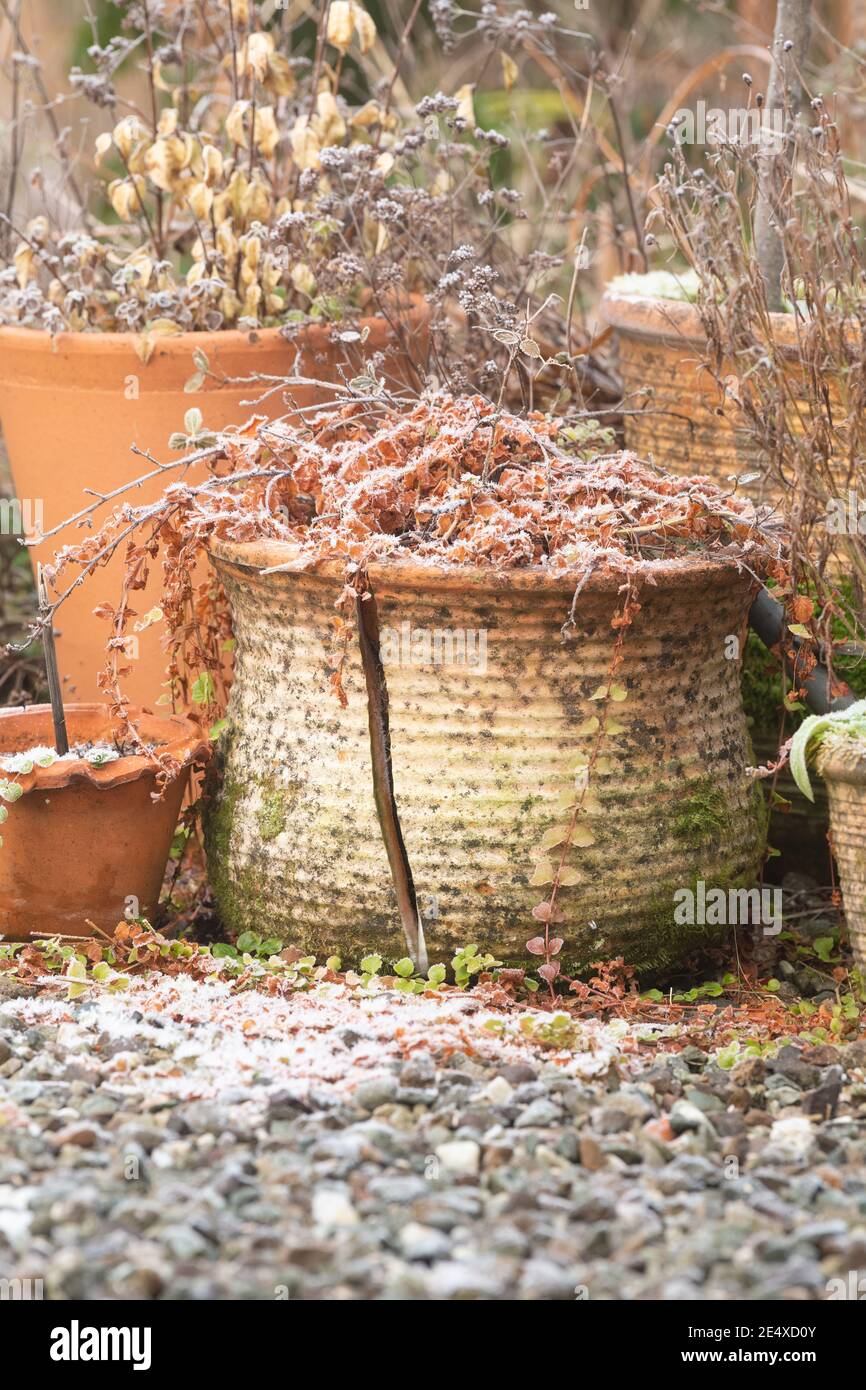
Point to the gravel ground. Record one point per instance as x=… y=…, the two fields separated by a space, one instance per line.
x=182 y=1142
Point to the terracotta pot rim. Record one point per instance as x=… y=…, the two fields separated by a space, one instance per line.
x=673 y=321
x=179 y=736
x=34 y=340
x=671 y=574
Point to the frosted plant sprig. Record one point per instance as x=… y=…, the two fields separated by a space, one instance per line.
x=25 y=762
x=821 y=728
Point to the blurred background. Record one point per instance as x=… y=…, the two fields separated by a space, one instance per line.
x=586 y=118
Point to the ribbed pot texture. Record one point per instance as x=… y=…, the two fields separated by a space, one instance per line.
x=483 y=760
x=72 y=406
x=86 y=844
x=843 y=767
x=661 y=345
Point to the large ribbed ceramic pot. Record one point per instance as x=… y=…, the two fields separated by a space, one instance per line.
x=71 y=407
x=662 y=347
x=488 y=721
x=842 y=764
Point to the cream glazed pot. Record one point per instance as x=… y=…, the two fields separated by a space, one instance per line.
x=487 y=740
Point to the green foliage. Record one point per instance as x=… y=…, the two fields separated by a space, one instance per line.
x=203 y=690
x=710 y=989
x=703 y=816
x=559 y=1031
x=467 y=963
x=248 y=944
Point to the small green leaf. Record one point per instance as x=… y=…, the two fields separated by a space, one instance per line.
x=542 y=874
x=569 y=876
x=589 y=726
x=371 y=965
x=404 y=967
x=203 y=689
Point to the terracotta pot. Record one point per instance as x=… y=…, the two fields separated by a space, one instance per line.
x=72 y=406
x=842 y=764
x=85 y=843
x=483 y=759
x=662 y=346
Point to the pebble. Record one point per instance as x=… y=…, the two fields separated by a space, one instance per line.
x=333 y=1211
x=460 y=1156
x=371 y=1094
x=455 y=1178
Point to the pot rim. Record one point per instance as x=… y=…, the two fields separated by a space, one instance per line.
x=34 y=340
x=674 y=321
x=662 y=574
x=182 y=739
x=841 y=759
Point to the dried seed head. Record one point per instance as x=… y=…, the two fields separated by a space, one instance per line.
x=340 y=24
x=200 y=199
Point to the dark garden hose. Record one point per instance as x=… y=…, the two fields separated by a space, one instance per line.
x=767 y=619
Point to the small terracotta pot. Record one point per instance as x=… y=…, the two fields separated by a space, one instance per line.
x=486 y=739
x=72 y=406
x=83 y=844
x=661 y=345
x=842 y=764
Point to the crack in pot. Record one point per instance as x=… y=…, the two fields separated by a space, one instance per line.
x=383 y=778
